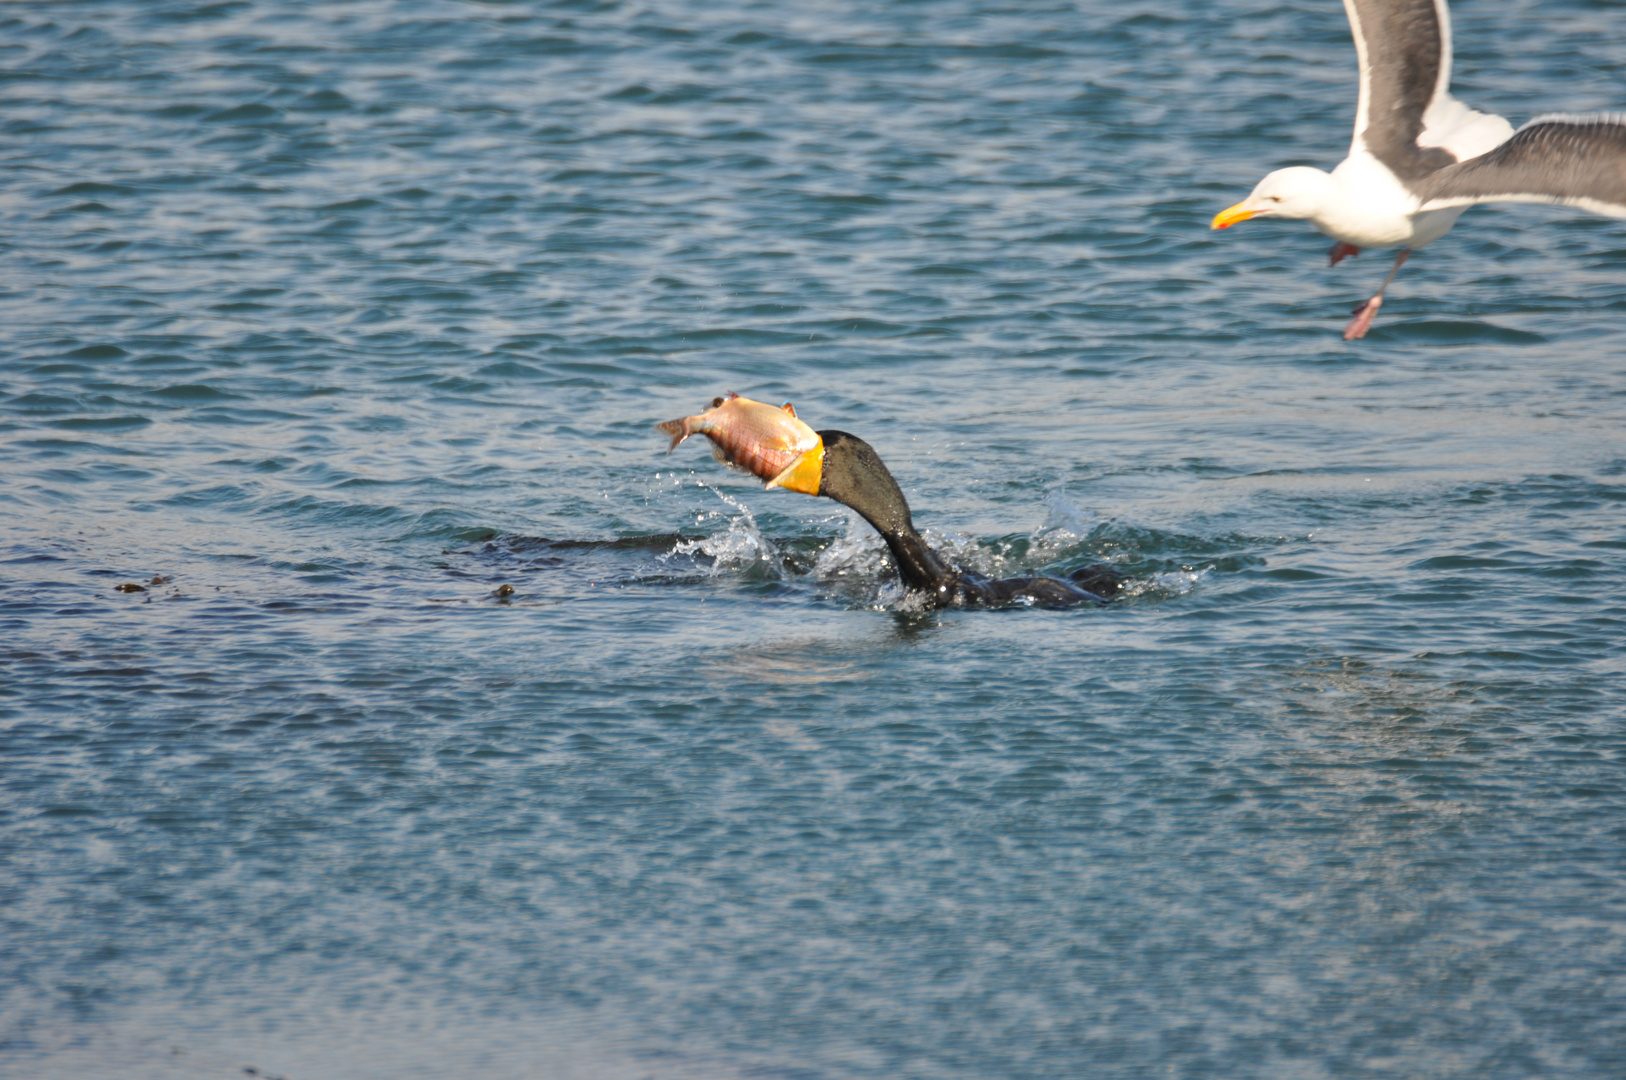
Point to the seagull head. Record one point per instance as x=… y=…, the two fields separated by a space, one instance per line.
x=1299 y=192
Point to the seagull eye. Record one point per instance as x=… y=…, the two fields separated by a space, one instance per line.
x=1275 y=198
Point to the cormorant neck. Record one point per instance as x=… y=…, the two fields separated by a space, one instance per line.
x=854 y=475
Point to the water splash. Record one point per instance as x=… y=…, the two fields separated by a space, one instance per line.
x=737 y=548
x=1065 y=522
x=859 y=552
x=1169 y=585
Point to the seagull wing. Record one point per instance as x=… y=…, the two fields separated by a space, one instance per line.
x=1406 y=118
x=1573 y=160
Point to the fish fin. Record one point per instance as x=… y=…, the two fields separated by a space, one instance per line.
x=678 y=429
x=788 y=407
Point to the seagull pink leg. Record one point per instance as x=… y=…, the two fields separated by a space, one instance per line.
x=1341 y=251
x=1362 y=322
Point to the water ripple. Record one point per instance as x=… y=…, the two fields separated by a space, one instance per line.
x=446 y=727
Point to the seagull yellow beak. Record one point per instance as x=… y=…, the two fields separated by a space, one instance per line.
x=804 y=473
x=1228 y=217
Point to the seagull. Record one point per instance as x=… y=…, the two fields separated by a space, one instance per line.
x=1420 y=157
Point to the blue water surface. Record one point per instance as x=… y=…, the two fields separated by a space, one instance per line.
x=325 y=321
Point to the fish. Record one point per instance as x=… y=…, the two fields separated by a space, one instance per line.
x=767 y=442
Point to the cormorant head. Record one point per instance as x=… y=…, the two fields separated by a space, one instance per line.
x=847 y=469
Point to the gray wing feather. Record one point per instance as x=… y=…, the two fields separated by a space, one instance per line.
x=1404 y=52
x=1577 y=160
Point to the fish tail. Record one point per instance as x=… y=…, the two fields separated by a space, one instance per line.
x=678 y=429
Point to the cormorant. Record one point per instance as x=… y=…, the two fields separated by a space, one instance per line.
x=776 y=445
x=847 y=469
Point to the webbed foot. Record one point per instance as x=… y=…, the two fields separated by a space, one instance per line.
x=1362 y=322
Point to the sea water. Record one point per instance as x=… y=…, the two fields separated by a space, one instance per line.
x=324 y=322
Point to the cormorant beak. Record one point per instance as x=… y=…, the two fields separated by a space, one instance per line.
x=804 y=473
x=1228 y=217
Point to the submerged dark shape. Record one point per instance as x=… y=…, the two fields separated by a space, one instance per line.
x=853 y=474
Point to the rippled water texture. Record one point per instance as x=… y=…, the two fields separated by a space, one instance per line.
x=337 y=317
